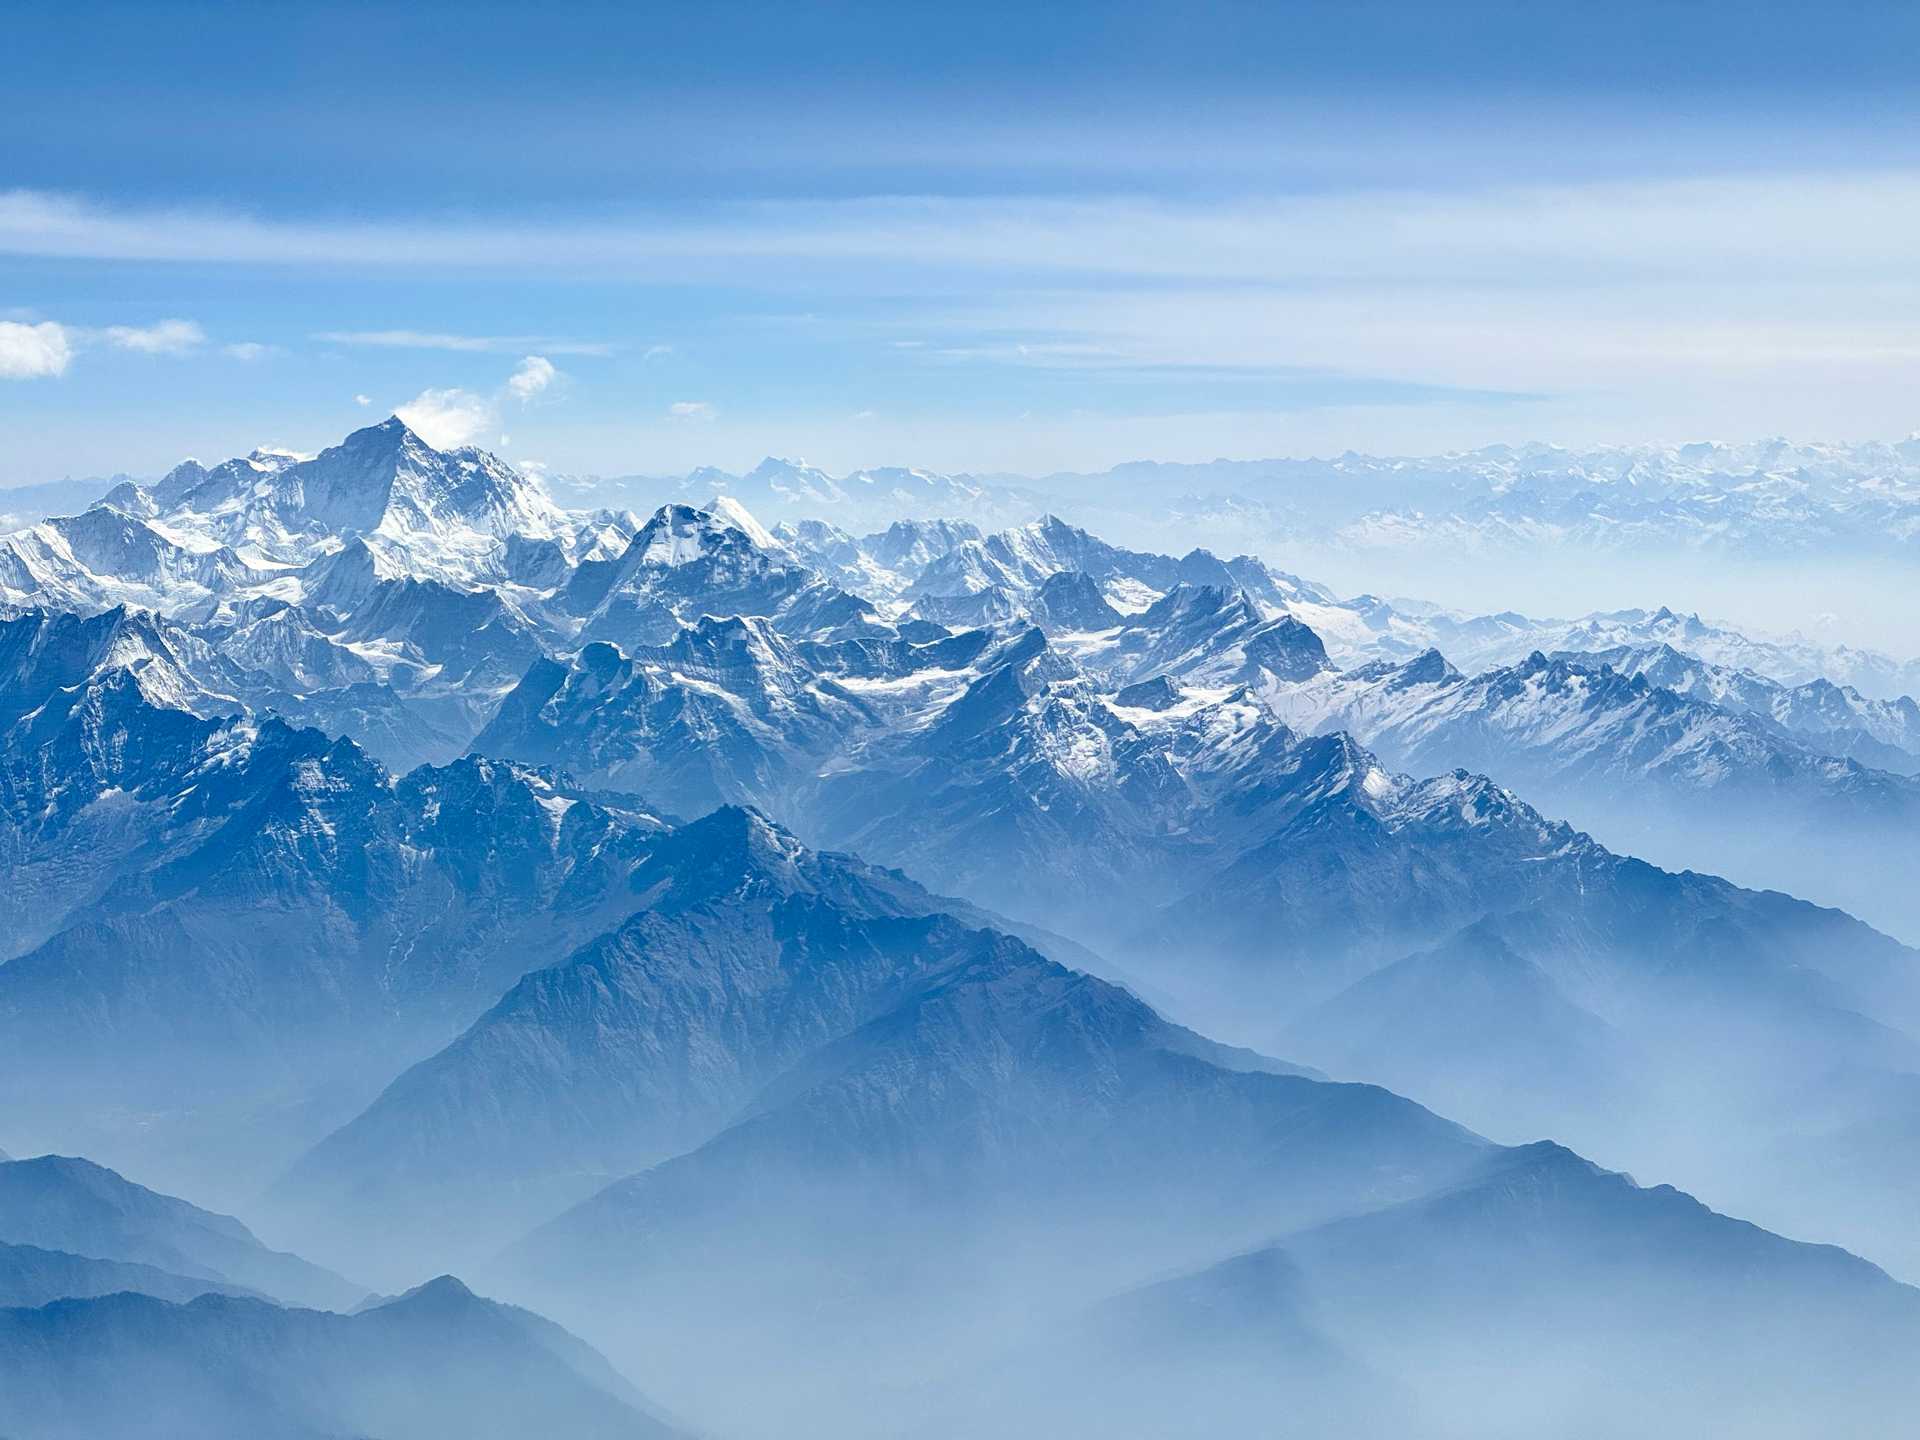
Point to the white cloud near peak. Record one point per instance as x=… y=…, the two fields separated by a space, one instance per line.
x=536 y=373
x=167 y=337
x=33 y=352
x=448 y=419
x=453 y=417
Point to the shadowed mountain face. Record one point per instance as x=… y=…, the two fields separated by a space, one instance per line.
x=1013 y=1130
x=750 y=953
x=438 y=1361
x=1008 y=1138
x=1006 y=1078
x=234 y=918
x=753 y=953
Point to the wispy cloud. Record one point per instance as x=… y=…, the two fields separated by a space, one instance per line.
x=1816 y=220
x=467 y=344
x=1639 y=295
x=1576 y=288
x=167 y=337
x=249 y=350
x=693 y=410
x=536 y=373
x=37 y=349
x=33 y=352
x=363 y=400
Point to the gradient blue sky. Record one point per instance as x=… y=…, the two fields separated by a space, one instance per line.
x=984 y=236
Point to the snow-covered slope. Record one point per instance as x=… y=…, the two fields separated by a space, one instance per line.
x=1485 y=641
x=447 y=513
x=1835 y=719
x=1661 y=773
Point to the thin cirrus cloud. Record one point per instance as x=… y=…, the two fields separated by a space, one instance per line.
x=1816 y=221
x=693 y=410
x=1626 y=293
x=462 y=344
x=1494 y=287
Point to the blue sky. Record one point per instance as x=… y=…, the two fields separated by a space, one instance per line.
x=637 y=238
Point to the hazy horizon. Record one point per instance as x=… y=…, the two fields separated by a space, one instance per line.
x=741 y=460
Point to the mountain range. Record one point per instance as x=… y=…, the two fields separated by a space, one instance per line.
x=1664 y=772
x=1759 y=500
x=155 y=852
x=1072 y=979
x=70 y=1207
x=437 y=1361
x=124 y=1311
x=1739 y=500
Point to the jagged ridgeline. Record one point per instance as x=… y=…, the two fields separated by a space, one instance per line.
x=932 y=975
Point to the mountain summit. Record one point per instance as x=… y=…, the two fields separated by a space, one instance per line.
x=445 y=511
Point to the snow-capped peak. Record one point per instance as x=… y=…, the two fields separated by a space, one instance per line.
x=681 y=534
x=729 y=511
x=447 y=514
